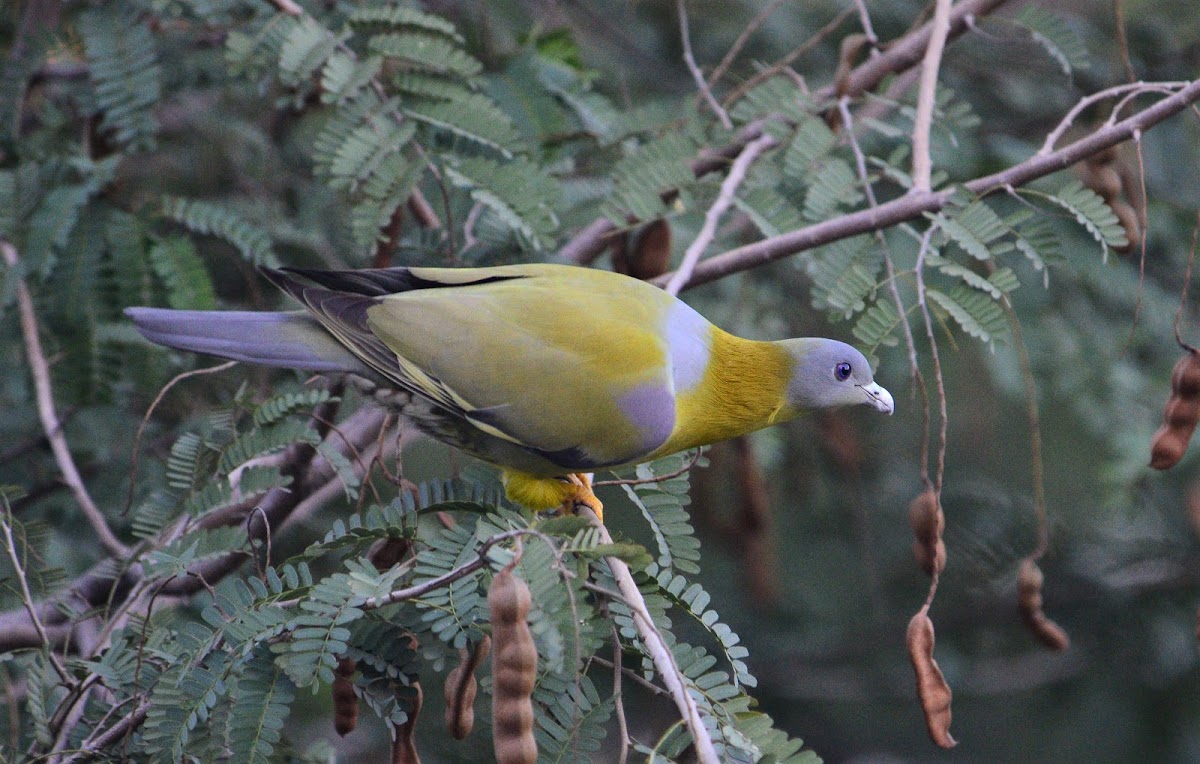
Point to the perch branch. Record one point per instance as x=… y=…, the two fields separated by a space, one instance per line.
x=652 y=640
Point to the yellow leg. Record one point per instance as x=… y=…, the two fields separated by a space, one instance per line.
x=542 y=494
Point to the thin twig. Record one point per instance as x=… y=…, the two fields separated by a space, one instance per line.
x=40 y=369
x=657 y=478
x=137 y=439
x=1123 y=38
x=425 y=587
x=10 y=546
x=618 y=699
x=864 y=18
x=779 y=66
x=755 y=24
x=937 y=366
x=922 y=163
x=729 y=187
x=630 y=674
x=95 y=744
x=698 y=75
x=1035 y=433
x=656 y=647
x=1187 y=281
x=1069 y=118
x=860 y=163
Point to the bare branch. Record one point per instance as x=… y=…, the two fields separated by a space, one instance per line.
x=926 y=97
x=10 y=547
x=915 y=204
x=652 y=640
x=40 y=369
x=901 y=55
x=1136 y=87
x=729 y=187
x=698 y=75
x=755 y=24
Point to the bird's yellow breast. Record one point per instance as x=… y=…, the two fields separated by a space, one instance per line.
x=743 y=389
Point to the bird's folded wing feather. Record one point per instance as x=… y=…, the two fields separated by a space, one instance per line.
x=557 y=360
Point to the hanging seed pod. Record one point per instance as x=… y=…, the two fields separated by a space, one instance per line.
x=1180 y=415
x=1129 y=221
x=1029 y=600
x=928 y=522
x=404 y=747
x=461 y=688
x=932 y=690
x=345 y=702
x=514 y=670
x=1104 y=180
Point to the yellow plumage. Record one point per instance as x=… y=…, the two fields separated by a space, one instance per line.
x=546 y=370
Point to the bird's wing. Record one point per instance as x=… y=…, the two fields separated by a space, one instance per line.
x=570 y=363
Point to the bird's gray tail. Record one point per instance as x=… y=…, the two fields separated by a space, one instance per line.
x=292 y=340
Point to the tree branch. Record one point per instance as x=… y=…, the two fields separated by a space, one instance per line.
x=926 y=97
x=694 y=68
x=729 y=187
x=915 y=204
x=51 y=425
x=901 y=54
x=652 y=640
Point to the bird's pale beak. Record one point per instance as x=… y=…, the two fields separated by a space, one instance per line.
x=879 y=397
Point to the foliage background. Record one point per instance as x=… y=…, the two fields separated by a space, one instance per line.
x=821 y=586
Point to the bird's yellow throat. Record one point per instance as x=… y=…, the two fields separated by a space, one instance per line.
x=743 y=389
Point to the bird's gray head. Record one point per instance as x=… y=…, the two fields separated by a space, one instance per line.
x=828 y=373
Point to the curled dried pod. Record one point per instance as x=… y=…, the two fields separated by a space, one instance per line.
x=932 y=689
x=928 y=522
x=1180 y=415
x=1029 y=600
x=1129 y=221
x=345 y=702
x=514 y=670
x=850 y=51
x=404 y=747
x=461 y=688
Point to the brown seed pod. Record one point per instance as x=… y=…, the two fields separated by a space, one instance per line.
x=1129 y=221
x=851 y=50
x=461 y=688
x=1105 y=156
x=650 y=247
x=932 y=690
x=345 y=702
x=1103 y=179
x=1029 y=600
x=1180 y=415
x=928 y=521
x=404 y=747
x=514 y=670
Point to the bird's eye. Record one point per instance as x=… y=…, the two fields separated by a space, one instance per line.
x=842 y=371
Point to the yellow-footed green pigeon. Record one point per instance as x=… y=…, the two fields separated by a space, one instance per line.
x=549 y=371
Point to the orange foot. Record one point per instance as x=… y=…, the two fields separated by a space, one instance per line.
x=543 y=494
